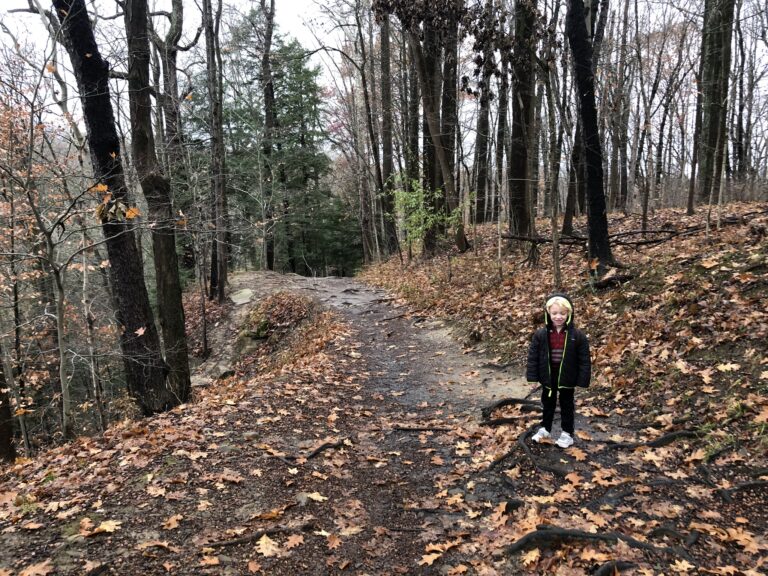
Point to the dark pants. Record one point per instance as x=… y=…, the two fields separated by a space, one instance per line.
x=567 y=409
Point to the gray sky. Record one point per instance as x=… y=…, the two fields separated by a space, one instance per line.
x=290 y=15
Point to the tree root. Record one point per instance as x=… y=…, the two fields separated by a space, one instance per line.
x=611 y=497
x=508 y=420
x=725 y=493
x=325 y=446
x=521 y=442
x=488 y=410
x=613 y=567
x=658 y=442
x=289 y=458
x=548 y=534
x=421 y=429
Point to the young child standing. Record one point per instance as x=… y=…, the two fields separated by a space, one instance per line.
x=558 y=359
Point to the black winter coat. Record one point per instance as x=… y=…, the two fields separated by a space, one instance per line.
x=576 y=366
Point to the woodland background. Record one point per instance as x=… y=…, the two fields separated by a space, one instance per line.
x=148 y=150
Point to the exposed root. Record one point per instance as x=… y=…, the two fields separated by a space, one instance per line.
x=725 y=493
x=613 y=567
x=488 y=410
x=547 y=535
x=658 y=442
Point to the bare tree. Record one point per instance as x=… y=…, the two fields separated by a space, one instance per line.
x=157 y=191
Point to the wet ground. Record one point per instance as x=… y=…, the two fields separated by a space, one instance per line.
x=420 y=360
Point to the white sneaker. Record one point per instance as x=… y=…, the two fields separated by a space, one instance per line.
x=541 y=434
x=565 y=440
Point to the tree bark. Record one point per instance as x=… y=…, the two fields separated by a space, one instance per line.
x=599 y=245
x=430 y=111
x=482 y=137
x=144 y=366
x=7 y=446
x=216 y=128
x=716 y=60
x=270 y=124
x=388 y=198
x=522 y=118
x=157 y=191
x=501 y=135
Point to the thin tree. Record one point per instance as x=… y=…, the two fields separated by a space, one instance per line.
x=156 y=187
x=388 y=198
x=581 y=48
x=220 y=251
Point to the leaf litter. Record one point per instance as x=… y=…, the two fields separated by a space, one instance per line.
x=253 y=475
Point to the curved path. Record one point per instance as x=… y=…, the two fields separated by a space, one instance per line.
x=414 y=358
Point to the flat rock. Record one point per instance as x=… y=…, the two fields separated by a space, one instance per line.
x=242 y=296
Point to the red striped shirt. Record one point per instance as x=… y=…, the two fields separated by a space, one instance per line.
x=556 y=345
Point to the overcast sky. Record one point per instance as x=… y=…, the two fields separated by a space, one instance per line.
x=291 y=15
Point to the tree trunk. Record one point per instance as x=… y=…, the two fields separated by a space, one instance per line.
x=139 y=341
x=157 y=191
x=716 y=60
x=522 y=118
x=449 y=116
x=482 y=137
x=270 y=124
x=433 y=122
x=501 y=134
x=216 y=128
x=599 y=245
x=388 y=198
x=7 y=446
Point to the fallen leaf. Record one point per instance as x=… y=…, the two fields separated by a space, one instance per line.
x=317 y=497
x=577 y=453
x=574 y=478
x=730 y=367
x=254 y=567
x=32 y=526
x=39 y=569
x=209 y=561
x=108 y=526
x=428 y=559
x=267 y=547
x=699 y=454
x=173 y=522
x=682 y=566
x=333 y=542
x=294 y=540
x=531 y=557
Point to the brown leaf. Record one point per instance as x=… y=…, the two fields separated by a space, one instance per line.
x=577 y=453
x=294 y=540
x=428 y=559
x=333 y=542
x=531 y=557
x=173 y=522
x=40 y=569
x=254 y=567
x=32 y=526
x=108 y=526
x=209 y=561
x=267 y=547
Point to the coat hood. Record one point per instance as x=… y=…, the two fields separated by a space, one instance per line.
x=569 y=323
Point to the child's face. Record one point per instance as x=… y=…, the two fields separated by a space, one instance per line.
x=559 y=315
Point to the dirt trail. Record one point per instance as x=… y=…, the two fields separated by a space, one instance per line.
x=417 y=359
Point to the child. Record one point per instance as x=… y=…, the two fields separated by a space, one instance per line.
x=558 y=359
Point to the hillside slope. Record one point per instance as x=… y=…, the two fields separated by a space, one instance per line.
x=353 y=437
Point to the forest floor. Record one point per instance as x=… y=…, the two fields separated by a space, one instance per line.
x=338 y=428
